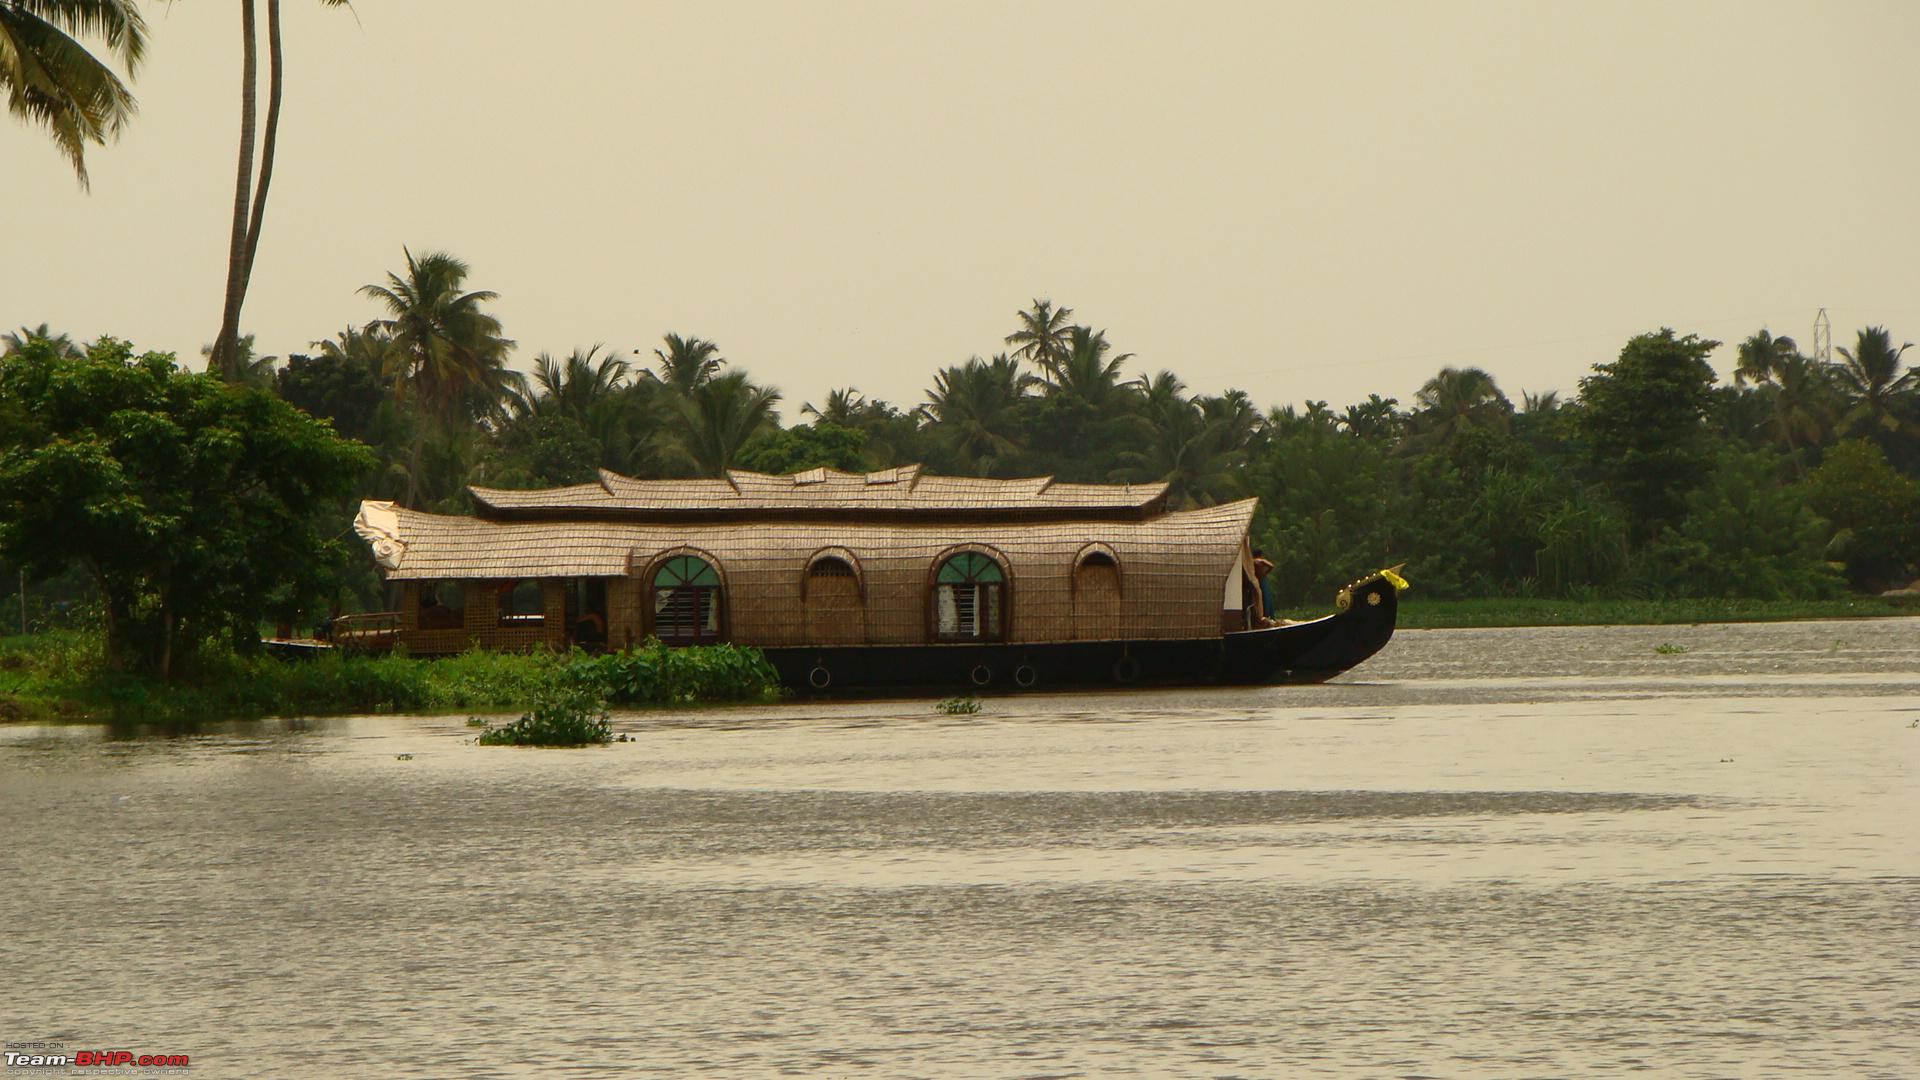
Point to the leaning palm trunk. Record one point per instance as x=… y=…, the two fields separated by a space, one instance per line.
x=268 y=139
x=226 y=346
x=246 y=226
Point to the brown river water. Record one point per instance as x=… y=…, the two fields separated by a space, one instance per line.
x=1491 y=853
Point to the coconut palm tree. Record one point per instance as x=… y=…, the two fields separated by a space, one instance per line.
x=1546 y=401
x=1761 y=357
x=845 y=407
x=367 y=347
x=972 y=411
x=447 y=354
x=1082 y=370
x=247 y=369
x=249 y=199
x=1803 y=403
x=687 y=363
x=1374 y=418
x=719 y=416
x=891 y=435
x=1195 y=446
x=1872 y=382
x=574 y=387
x=1239 y=421
x=1457 y=400
x=13 y=341
x=51 y=79
x=1043 y=334
x=592 y=390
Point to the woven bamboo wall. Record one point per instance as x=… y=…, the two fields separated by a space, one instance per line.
x=1168 y=584
x=836 y=614
x=1098 y=606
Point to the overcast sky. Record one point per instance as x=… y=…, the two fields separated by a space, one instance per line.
x=1304 y=200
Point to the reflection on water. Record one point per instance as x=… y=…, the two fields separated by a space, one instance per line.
x=1488 y=853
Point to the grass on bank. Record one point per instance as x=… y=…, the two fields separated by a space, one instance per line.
x=1419 y=613
x=59 y=675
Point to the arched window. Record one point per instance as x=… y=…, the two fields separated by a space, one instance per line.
x=835 y=613
x=827 y=566
x=686 y=601
x=1096 y=595
x=969 y=599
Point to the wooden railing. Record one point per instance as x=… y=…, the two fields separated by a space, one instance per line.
x=367 y=630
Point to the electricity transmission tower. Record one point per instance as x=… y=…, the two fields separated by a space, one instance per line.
x=1822 y=338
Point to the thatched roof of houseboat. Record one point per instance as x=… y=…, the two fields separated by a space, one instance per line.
x=411 y=544
x=902 y=491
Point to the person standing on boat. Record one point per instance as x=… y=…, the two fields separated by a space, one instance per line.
x=1263 y=566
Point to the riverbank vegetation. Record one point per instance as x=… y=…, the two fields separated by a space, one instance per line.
x=1657 y=492
x=566 y=714
x=1428 y=614
x=63 y=675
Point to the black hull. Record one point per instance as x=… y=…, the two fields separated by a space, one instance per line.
x=1307 y=652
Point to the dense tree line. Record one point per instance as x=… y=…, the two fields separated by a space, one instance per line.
x=1794 y=479
x=190 y=509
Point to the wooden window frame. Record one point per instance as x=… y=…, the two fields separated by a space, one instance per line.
x=1090 y=551
x=840 y=554
x=716 y=602
x=1003 y=595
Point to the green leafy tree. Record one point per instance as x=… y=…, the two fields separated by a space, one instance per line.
x=806 y=446
x=198 y=508
x=1583 y=545
x=1445 y=530
x=344 y=381
x=1329 y=504
x=436 y=472
x=1745 y=534
x=52 y=80
x=889 y=437
x=546 y=449
x=1874 y=513
x=1644 y=420
x=1510 y=494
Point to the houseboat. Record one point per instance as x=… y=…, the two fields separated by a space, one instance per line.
x=888 y=579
